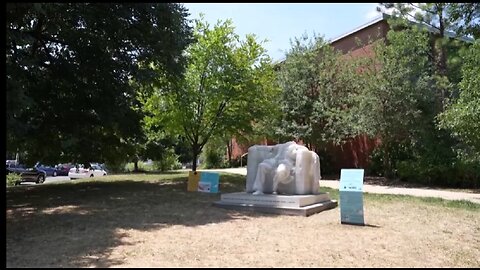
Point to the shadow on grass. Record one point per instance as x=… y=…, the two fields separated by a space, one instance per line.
x=79 y=223
x=150 y=172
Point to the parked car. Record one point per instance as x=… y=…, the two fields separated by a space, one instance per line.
x=51 y=171
x=33 y=175
x=14 y=168
x=64 y=169
x=81 y=171
x=101 y=165
x=27 y=175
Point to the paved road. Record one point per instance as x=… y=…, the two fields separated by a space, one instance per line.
x=419 y=192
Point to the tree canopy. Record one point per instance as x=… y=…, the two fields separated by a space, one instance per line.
x=68 y=71
x=227 y=86
x=316 y=90
x=463 y=115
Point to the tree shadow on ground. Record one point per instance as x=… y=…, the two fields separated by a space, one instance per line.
x=151 y=172
x=79 y=224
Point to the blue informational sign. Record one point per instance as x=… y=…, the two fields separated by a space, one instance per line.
x=208 y=182
x=351 y=180
x=351 y=196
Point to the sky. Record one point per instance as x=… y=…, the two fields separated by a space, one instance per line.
x=281 y=22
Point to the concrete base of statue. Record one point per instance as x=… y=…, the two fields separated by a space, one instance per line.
x=303 y=205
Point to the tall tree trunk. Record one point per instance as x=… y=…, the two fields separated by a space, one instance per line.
x=441 y=61
x=229 y=151
x=135 y=165
x=387 y=159
x=195 y=153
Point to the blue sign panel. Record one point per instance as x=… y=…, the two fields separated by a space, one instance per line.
x=208 y=182
x=351 y=196
x=351 y=180
x=351 y=207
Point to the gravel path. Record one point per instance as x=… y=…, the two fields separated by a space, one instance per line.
x=419 y=192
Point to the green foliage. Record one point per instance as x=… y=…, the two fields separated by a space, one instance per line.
x=442 y=19
x=68 y=67
x=459 y=174
x=142 y=167
x=316 y=93
x=431 y=160
x=385 y=158
x=168 y=161
x=213 y=156
x=461 y=18
x=117 y=166
x=183 y=150
x=12 y=179
x=395 y=103
x=226 y=87
x=464 y=16
x=462 y=117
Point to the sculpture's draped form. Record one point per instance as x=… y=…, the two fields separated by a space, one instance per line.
x=286 y=168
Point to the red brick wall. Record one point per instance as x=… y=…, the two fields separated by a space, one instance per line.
x=372 y=32
x=239 y=149
x=352 y=154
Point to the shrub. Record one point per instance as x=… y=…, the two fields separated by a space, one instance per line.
x=142 y=167
x=115 y=167
x=13 y=178
x=213 y=158
x=169 y=161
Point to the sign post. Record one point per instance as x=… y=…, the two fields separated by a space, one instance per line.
x=351 y=196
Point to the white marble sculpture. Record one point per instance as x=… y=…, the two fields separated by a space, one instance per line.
x=286 y=168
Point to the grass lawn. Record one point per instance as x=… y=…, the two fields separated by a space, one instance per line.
x=150 y=220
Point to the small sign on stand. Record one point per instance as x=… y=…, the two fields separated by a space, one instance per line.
x=208 y=182
x=203 y=182
x=351 y=196
x=193 y=179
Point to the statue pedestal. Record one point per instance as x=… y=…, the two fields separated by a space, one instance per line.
x=303 y=205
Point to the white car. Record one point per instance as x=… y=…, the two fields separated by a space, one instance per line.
x=81 y=172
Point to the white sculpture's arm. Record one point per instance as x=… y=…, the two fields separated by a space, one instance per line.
x=316 y=173
x=303 y=172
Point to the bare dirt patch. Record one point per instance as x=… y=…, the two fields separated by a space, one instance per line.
x=156 y=223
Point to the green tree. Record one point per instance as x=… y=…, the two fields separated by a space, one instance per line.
x=316 y=97
x=68 y=69
x=395 y=102
x=465 y=18
x=463 y=116
x=442 y=19
x=226 y=85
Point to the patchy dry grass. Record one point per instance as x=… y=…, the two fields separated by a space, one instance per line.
x=149 y=220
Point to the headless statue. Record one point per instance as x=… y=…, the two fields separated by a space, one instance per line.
x=286 y=168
